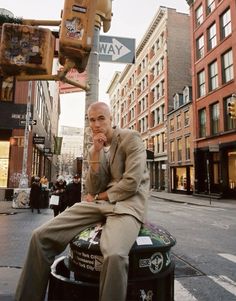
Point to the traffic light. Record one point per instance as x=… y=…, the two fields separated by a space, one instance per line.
x=26 y=49
x=232 y=109
x=104 y=12
x=76 y=32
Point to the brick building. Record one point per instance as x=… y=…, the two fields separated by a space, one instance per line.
x=142 y=95
x=213 y=36
x=27 y=149
x=180 y=143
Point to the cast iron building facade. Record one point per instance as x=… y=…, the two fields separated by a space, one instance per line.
x=142 y=95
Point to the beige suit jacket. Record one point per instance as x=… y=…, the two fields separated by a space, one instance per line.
x=125 y=177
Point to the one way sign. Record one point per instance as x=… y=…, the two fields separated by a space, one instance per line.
x=116 y=50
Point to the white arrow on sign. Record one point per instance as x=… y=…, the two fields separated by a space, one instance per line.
x=115 y=49
x=31 y=122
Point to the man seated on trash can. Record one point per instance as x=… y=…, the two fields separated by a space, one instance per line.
x=117 y=186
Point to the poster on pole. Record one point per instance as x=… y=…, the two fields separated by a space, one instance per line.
x=74 y=75
x=21 y=198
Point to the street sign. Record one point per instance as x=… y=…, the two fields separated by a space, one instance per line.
x=116 y=49
x=31 y=122
x=50 y=154
x=38 y=140
x=214 y=148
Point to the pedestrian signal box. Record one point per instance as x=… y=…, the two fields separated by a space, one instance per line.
x=26 y=50
x=76 y=31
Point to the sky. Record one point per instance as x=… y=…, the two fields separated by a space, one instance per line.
x=131 y=19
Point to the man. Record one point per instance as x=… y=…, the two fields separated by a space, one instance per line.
x=73 y=191
x=117 y=187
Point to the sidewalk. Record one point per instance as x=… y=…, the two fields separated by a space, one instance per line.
x=194 y=199
x=6 y=206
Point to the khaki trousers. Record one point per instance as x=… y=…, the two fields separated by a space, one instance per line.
x=49 y=240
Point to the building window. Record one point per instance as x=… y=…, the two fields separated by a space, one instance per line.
x=216 y=168
x=227 y=66
x=211 y=35
x=187 y=148
x=200 y=47
x=172 y=151
x=179 y=148
x=210 y=6
x=158 y=144
x=186 y=95
x=213 y=76
x=7 y=88
x=231 y=169
x=230 y=123
x=202 y=123
x=4 y=162
x=172 y=127
x=162 y=87
x=162 y=113
x=199 y=15
x=225 y=24
x=215 y=118
x=163 y=139
x=201 y=83
x=178 y=122
x=186 y=118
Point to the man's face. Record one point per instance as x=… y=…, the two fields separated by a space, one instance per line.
x=100 y=120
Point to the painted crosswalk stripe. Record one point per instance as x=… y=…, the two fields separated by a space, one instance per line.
x=228 y=256
x=182 y=294
x=225 y=282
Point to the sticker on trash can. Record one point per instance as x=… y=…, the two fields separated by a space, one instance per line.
x=155 y=263
x=143 y=240
x=88 y=261
x=146 y=296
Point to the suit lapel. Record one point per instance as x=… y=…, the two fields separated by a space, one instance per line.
x=114 y=145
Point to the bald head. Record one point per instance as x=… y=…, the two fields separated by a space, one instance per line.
x=100 y=120
x=99 y=106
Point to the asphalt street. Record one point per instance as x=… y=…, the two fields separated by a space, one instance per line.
x=16 y=226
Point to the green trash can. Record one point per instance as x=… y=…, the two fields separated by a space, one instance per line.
x=151 y=269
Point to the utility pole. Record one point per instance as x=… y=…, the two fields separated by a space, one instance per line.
x=91 y=97
x=103 y=17
x=24 y=181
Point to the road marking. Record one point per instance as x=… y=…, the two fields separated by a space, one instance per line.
x=228 y=256
x=182 y=293
x=225 y=282
x=220 y=225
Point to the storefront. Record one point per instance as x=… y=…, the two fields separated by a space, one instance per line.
x=4 y=162
x=216 y=171
x=182 y=179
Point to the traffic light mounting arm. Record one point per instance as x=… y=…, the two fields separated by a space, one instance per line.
x=60 y=76
x=75 y=42
x=33 y=22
